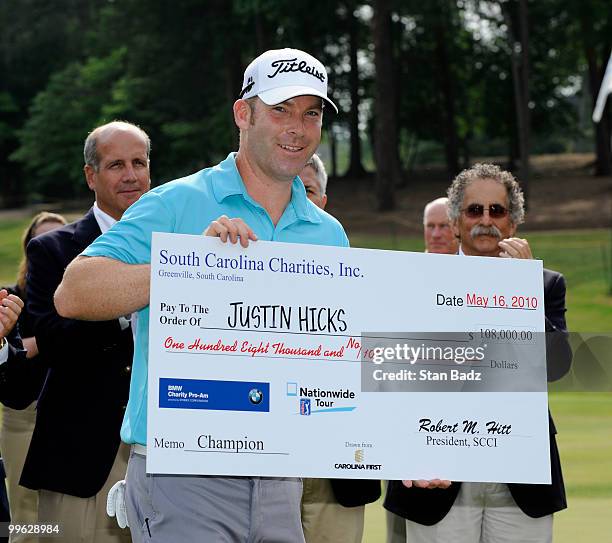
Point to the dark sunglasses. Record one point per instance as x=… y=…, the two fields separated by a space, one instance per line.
x=496 y=211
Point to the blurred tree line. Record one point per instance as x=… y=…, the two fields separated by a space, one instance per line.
x=456 y=73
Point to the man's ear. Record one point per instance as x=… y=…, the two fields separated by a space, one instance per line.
x=455 y=227
x=242 y=114
x=512 y=230
x=324 y=201
x=90 y=177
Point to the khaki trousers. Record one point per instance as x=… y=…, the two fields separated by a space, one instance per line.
x=84 y=520
x=324 y=520
x=483 y=513
x=15 y=437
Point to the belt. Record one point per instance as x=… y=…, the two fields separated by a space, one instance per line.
x=139 y=449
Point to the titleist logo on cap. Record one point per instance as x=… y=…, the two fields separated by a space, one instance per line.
x=281 y=74
x=291 y=65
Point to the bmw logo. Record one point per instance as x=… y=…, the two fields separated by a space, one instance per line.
x=255 y=396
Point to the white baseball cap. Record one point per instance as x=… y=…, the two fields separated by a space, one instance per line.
x=280 y=74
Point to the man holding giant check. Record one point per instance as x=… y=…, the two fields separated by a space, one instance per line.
x=258 y=366
x=279 y=114
x=262 y=353
x=485 y=206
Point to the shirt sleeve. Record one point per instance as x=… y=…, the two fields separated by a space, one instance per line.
x=4 y=352
x=344 y=241
x=129 y=240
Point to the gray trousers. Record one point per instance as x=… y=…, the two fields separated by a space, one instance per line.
x=169 y=508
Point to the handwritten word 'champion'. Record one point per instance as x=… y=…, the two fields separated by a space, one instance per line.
x=290 y=65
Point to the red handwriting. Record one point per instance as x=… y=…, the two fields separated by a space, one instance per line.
x=171 y=344
x=281 y=348
x=364 y=354
x=260 y=348
x=197 y=345
x=253 y=349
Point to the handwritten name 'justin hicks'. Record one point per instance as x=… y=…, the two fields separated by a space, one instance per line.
x=303 y=318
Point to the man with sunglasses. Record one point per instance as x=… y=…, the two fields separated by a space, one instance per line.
x=485 y=207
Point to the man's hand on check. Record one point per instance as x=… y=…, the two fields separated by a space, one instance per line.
x=225 y=228
x=515 y=248
x=422 y=483
x=10 y=309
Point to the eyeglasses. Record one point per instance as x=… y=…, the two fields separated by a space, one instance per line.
x=496 y=211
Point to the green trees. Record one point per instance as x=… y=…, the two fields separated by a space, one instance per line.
x=446 y=75
x=60 y=117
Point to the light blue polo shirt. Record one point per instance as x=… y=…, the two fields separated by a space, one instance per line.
x=187 y=206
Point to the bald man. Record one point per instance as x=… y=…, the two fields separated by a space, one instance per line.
x=314 y=178
x=439 y=237
x=75 y=454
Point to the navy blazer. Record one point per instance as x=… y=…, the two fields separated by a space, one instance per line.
x=430 y=506
x=355 y=492
x=81 y=406
x=21 y=378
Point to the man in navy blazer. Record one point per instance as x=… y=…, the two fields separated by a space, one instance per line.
x=485 y=207
x=11 y=350
x=21 y=378
x=75 y=453
x=11 y=347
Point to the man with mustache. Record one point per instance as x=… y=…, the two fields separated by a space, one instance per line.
x=486 y=205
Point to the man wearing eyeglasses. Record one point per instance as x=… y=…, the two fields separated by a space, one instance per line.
x=485 y=207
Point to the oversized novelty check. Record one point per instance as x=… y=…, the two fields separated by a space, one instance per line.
x=301 y=360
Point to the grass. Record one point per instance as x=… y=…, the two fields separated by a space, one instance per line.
x=584 y=420
x=586 y=520
x=584 y=423
x=10 y=249
x=583 y=256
